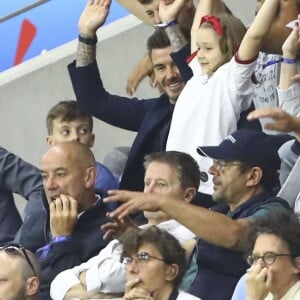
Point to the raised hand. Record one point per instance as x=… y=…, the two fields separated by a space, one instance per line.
x=63 y=215
x=170 y=9
x=281 y=120
x=133 y=292
x=258 y=282
x=134 y=202
x=116 y=227
x=141 y=70
x=93 y=16
x=291 y=44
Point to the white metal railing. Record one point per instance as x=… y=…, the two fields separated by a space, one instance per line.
x=22 y=10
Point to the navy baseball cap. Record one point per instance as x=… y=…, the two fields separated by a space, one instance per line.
x=249 y=146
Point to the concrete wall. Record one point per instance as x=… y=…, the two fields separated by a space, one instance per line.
x=245 y=10
x=28 y=91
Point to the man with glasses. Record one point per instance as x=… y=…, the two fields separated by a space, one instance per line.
x=244 y=176
x=150 y=119
x=166 y=173
x=19 y=273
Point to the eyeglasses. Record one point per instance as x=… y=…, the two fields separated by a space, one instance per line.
x=221 y=165
x=268 y=258
x=140 y=259
x=15 y=249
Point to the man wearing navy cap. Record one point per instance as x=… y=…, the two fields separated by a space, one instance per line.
x=244 y=175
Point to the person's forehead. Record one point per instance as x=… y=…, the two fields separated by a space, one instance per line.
x=269 y=242
x=10 y=262
x=59 y=122
x=57 y=158
x=152 y=5
x=161 y=55
x=148 y=247
x=160 y=168
x=207 y=35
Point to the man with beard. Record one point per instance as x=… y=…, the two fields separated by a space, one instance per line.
x=245 y=177
x=150 y=118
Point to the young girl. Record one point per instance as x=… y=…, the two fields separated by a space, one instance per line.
x=209 y=106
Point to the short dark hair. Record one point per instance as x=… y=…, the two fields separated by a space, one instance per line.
x=168 y=246
x=187 y=169
x=284 y=224
x=159 y=39
x=67 y=110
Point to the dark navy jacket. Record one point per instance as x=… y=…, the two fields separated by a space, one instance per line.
x=149 y=118
x=219 y=268
x=87 y=239
x=86 y=242
x=20 y=177
x=16 y=176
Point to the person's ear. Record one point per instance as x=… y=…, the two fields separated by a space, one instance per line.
x=172 y=272
x=90 y=176
x=32 y=286
x=254 y=176
x=189 y=194
x=49 y=140
x=297 y=264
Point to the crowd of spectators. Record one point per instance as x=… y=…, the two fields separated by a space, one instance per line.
x=204 y=204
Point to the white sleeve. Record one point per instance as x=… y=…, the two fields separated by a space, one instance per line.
x=289 y=99
x=104 y=273
x=62 y=283
x=241 y=74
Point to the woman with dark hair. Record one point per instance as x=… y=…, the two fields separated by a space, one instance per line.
x=155 y=264
x=274 y=247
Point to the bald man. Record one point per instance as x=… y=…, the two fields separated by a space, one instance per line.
x=74 y=212
x=19 y=273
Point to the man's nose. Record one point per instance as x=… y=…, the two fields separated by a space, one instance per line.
x=157 y=18
x=171 y=72
x=49 y=183
x=74 y=137
x=213 y=170
x=149 y=188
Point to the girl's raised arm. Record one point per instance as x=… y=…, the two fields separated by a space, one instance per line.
x=253 y=39
x=204 y=7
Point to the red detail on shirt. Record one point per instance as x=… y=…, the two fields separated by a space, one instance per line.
x=189 y=58
x=244 y=62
